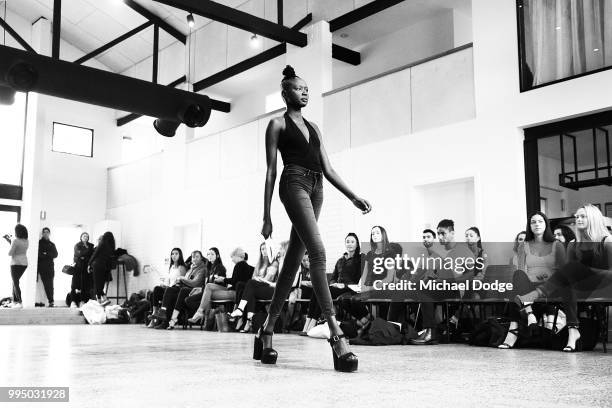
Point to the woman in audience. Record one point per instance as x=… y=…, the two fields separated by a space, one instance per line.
x=518 y=240
x=261 y=286
x=176 y=269
x=474 y=242
x=347 y=271
x=100 y=264
x=564 y=234
x=380 y=248
x=589 y=266
x=224 y=288
x=215 y=272
x=19 y=261
x=81 y=279
x=174 y=296
x=539 y=257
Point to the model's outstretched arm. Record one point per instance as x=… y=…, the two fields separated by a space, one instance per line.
x=272 y=134
x=336 y=181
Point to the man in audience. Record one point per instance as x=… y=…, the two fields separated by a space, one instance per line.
x=449 y=268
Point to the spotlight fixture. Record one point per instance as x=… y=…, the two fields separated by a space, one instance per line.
x=166 y=127
x=190 y=20
x=255 y=41
x=7 y=95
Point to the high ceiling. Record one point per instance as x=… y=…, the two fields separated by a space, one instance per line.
x=89 y=24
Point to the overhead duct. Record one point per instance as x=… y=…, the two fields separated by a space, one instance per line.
x=25 y=71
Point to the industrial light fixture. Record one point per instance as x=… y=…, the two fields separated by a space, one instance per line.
x=255 y=41
x=190 y=20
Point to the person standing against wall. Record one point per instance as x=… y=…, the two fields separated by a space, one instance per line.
x=46 y=269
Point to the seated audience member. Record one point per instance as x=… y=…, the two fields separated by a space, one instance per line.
x=539 y=257
x=81 y=280
x=589 y=266
x=261 y=286
x=518 y=240
x=455 y=254
x=176 y=269
x=174 y=297
x=223 y=288
x=564 y=235
x=347 y=271
x=380 y=248
x=215 y=271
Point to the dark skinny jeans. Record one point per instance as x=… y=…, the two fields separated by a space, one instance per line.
x=301 y=192
x=16 y=274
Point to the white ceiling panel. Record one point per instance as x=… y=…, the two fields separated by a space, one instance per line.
x=80 y=38
x=115 y=60
x=76 y=10
x=135 y=49
x=29 y=10
x=101 y=26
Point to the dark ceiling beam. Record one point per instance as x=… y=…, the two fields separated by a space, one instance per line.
x=157 y=20
x=16 y=36
x=361 y=13
x=239 y=19
x=215 y=105
x=57 y=28
x=28 y=72
x=303 y=22
x=111 y=44
x=155 y=53
x=346 y=55
x=279 y=12
x=240 y=67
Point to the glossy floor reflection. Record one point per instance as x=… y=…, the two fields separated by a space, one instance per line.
x=130 y=366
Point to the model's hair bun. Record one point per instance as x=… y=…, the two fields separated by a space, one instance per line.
x=289 y=72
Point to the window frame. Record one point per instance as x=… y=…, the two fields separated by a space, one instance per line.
x=520 y=23
x=73 y=154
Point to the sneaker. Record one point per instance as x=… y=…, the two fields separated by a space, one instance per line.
x=39 y=304
x=73 y=305
x=51 y=304
x=16 y=306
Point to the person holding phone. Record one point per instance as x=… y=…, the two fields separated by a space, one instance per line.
x=19 y=261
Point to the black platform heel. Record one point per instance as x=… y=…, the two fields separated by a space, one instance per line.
x=266 y=355
x=345 y=363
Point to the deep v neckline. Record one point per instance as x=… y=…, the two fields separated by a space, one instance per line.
x=300 y=130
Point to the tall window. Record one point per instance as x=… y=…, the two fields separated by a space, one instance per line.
x=12 y=132
x=563 y=39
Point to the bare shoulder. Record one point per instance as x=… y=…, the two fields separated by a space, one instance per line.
x=277 y=122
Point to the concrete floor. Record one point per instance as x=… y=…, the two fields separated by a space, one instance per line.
x=117 y=366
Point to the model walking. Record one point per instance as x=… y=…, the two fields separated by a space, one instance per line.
x=301 y=192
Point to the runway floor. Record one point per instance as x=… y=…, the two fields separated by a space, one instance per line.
x=117 y=366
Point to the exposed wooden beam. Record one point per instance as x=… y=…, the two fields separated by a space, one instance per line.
x=155 y=53
x=346 y=55
x=239 y=19
x=111 y=44
x=157 y=20
x=16 y=36
x=361 y=13
x=57 y=28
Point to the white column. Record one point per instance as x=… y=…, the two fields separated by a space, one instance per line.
x=33 y=166
x=313 y=64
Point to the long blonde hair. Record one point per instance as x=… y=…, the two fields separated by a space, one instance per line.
x=596 y=229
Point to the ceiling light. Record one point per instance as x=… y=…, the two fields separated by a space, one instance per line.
x=255 y=41
x=557 y=28
x=595 y=49
x=344 y=35
x=190 y=20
